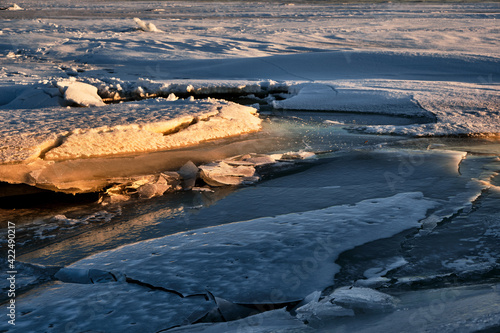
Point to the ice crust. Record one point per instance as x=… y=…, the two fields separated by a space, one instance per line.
x=412 y=65
x=220 y=121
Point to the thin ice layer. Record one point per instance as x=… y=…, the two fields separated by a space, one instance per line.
x=267 y=260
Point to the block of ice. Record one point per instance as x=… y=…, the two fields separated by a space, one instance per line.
x=362 y=299
x=80 y=93
x=221 y=173
x=189 y=173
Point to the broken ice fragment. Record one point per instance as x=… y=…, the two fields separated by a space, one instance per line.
x=145 y=187
x=345 y=301
x=221 y=173
x=317 y=311
x=362 y=299
x=189 y=173
x=250 y=159
x=151 y=190
x=302 y=155
x=229 y=311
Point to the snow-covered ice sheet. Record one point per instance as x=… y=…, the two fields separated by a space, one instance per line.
x=439 y=59
x=33 y=139
x=143 y=126
x=275 y=260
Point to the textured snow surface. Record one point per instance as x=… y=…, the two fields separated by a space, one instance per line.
x=413 y=59
x=120 y=128
x=372 y=60
x=325 y=97
x=219 y=121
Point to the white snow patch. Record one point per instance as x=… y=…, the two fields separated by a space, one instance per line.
x=13 y=7
x=32 y=98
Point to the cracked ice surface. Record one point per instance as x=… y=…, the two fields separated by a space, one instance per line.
x=274 y=260
x=118 y=129
x=104 y=307
x=300 y=248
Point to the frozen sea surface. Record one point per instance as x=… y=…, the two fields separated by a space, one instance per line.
x=250 y=167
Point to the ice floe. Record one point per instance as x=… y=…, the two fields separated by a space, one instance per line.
x=314 y=96
x=221 y=120
x=219 y=174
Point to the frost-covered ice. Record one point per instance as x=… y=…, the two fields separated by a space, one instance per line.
x=346 y=302
x=326 y=97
